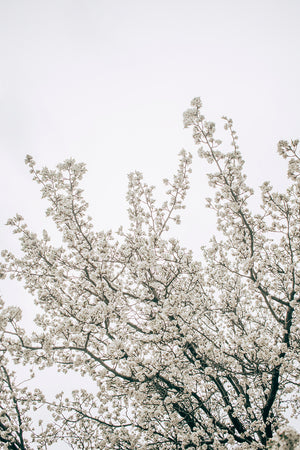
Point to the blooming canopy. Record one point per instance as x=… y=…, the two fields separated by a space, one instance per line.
x=184 y=353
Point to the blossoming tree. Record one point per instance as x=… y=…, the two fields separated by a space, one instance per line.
x=185 y=354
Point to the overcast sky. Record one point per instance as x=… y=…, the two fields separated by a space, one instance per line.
x=107 y=81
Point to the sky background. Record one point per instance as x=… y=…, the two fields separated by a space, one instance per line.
x=107 y=81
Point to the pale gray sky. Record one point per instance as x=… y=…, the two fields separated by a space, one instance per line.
x=107 y=81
